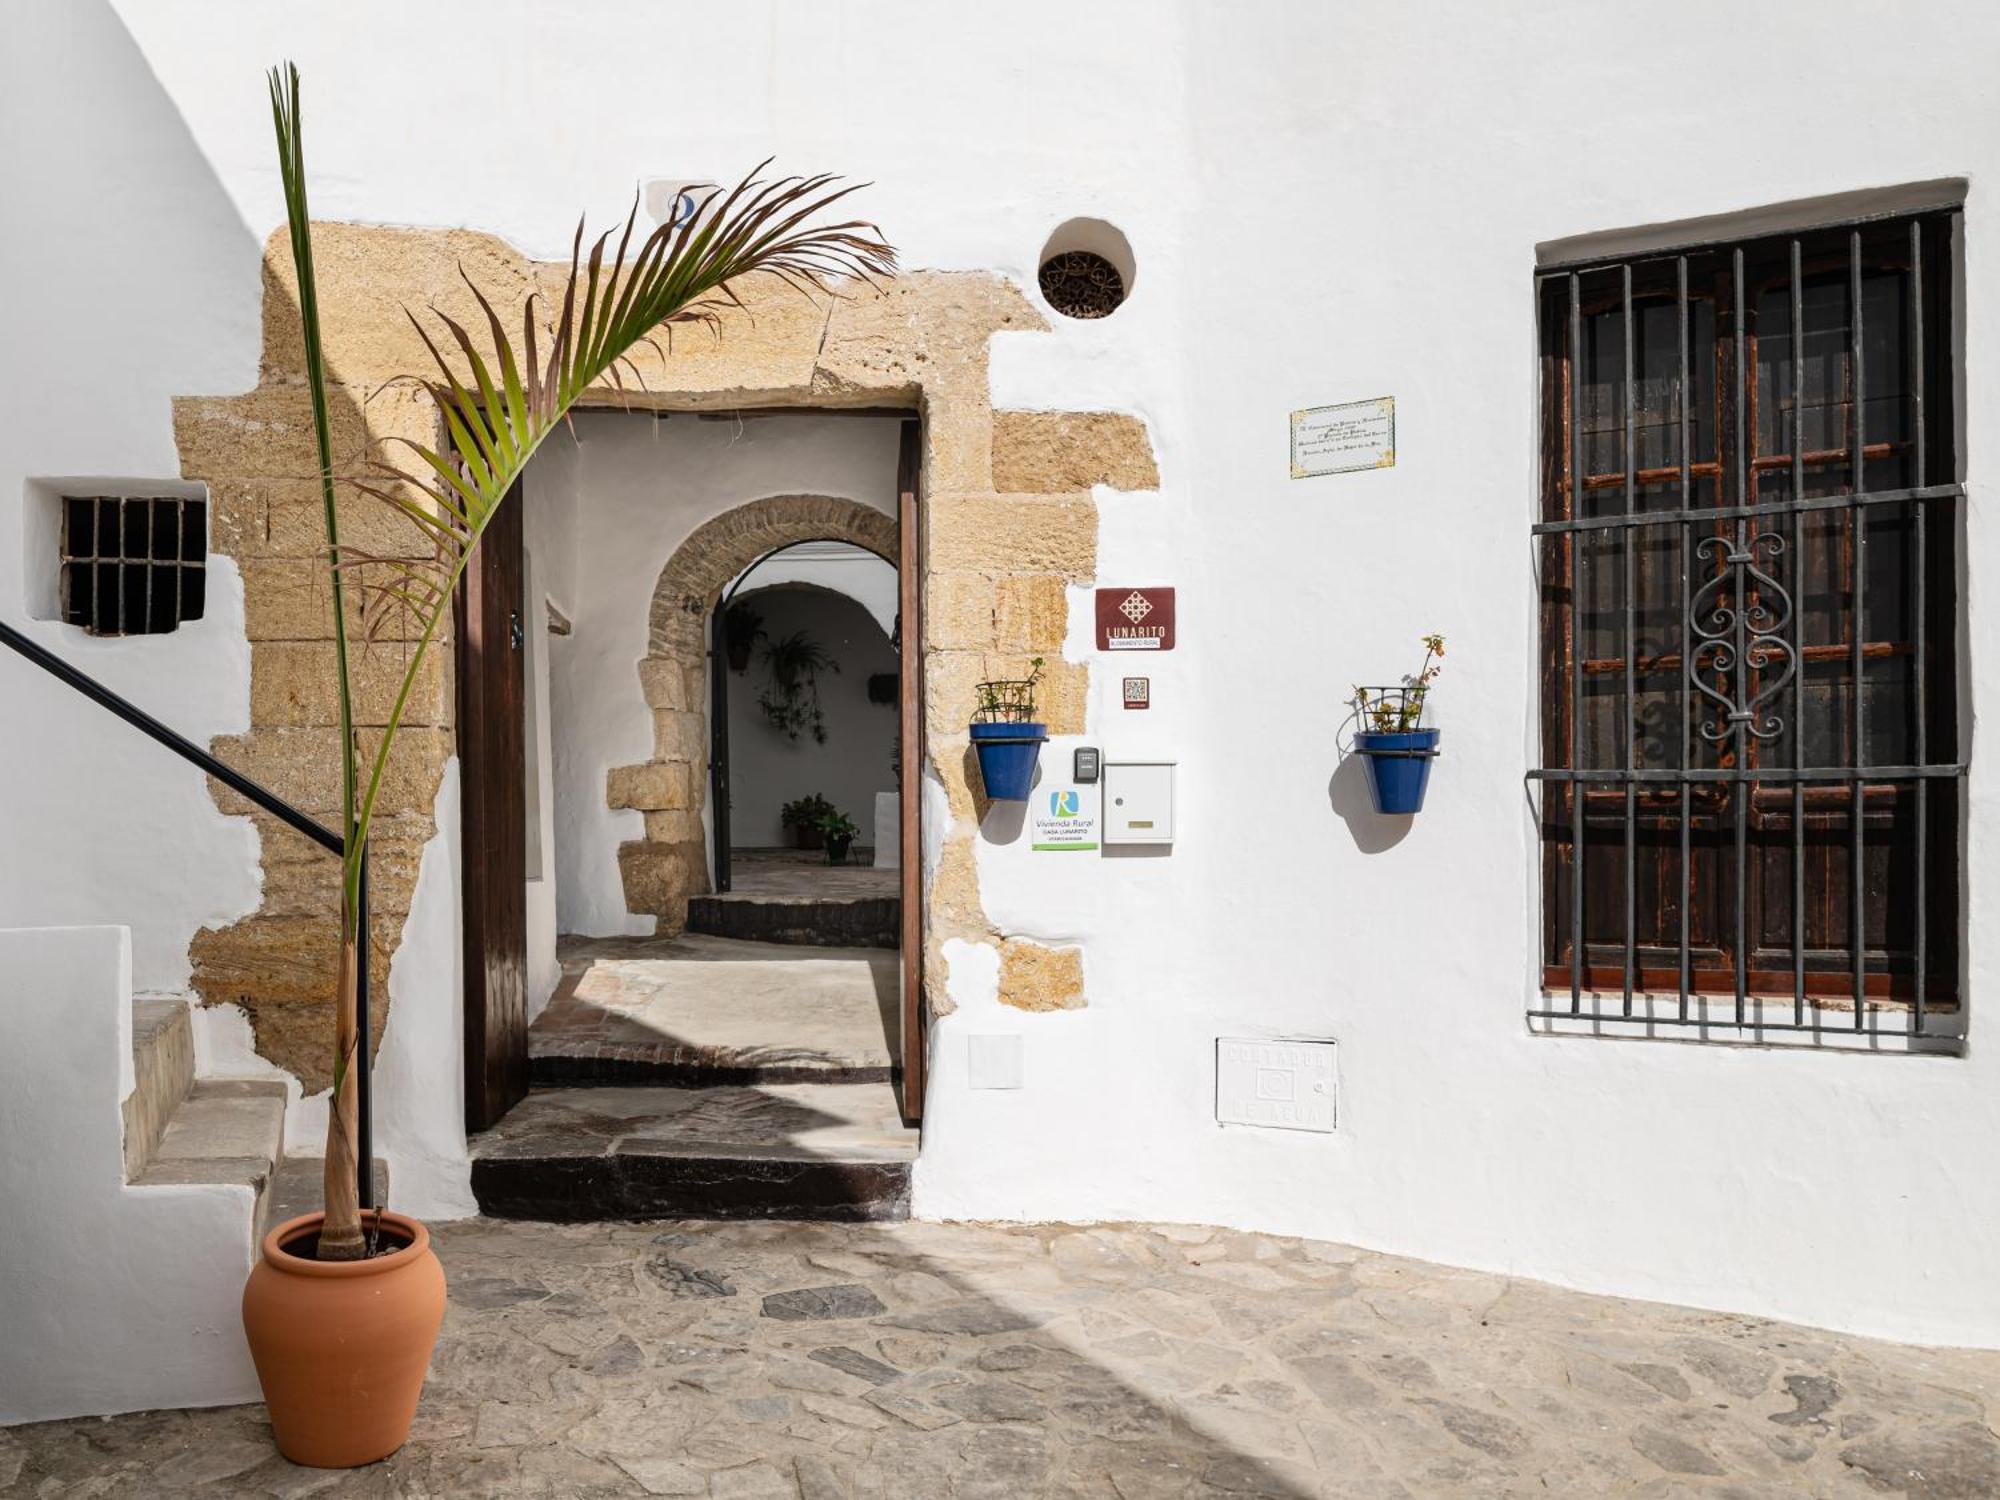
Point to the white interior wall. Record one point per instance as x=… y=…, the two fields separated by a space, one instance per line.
x=1390 y=172
x=767 y=770
x=623 y=493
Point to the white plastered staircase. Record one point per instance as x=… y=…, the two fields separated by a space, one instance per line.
x=132 y=1192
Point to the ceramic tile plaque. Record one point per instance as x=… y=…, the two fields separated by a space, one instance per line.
x=1341 y=439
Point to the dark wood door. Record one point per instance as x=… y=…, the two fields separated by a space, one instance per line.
x=910 y=632
x=490 y=615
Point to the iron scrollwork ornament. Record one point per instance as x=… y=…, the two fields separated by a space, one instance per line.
x=1740 y=615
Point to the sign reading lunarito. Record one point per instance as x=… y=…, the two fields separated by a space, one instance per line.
x=1339 y=439
x=1135 y=619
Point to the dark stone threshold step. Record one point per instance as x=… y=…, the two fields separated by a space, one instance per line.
x=576 y=1189
x=561 y=1071
x=870 y=922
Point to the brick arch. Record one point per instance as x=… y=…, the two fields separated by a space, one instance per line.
x=670 y=863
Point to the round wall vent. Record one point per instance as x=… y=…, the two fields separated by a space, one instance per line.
x=1086 y=269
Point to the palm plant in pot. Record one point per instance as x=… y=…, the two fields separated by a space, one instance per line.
x=341 y=1311
x=1006 y=735
x=1397 y=746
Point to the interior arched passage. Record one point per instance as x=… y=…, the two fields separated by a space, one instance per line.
x=661 y=870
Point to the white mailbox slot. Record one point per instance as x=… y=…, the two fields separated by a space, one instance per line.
x=1139 y=802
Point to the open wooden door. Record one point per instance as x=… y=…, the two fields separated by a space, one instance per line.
x=489 y=614
x=910 y=632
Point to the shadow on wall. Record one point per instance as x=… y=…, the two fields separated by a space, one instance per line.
x=1347 y=791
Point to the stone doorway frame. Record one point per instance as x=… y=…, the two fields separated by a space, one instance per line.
x=670 y=863
x=1009 y=523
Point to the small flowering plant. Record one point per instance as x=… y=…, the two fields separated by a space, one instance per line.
x=1398 y=710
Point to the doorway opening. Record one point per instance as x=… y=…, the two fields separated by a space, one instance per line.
x=716 y=638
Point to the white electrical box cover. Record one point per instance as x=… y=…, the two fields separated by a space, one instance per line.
x=1138 y=802
x=994 y=1061
x=1283 y=1082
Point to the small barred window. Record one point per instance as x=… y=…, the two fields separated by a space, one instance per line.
x=132 y=566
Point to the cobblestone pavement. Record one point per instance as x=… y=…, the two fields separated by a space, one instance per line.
x=924 y=1360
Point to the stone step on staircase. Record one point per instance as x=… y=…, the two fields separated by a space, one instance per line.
x=184 y=1129
x=837 y=1152
x=842 y=922
x=694 y=1011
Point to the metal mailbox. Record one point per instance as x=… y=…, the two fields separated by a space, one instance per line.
x=1139 y=802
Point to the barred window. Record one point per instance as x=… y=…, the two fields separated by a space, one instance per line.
x=132 y=566
x=1751 y=778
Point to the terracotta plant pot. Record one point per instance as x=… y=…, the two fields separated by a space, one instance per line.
x=342 y=1346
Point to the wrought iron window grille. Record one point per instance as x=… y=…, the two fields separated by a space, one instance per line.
x=1706 y=565
x=132 y=566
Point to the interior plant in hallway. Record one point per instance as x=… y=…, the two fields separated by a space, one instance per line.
x=497 y=398
x=838 y=830
x=801 y=815
x=1396 y=745
x=1006 y=736
x=790 y=698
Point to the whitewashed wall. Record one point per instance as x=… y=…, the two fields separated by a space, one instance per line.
x=1325 y=203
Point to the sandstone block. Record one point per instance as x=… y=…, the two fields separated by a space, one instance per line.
x=1045 y=452
x=653 y=786
x=296 y=683
x=1012 y=533
x=1036 y=978
x=663 y=680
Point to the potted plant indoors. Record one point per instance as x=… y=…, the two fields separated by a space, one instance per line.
x=801 y=816
x=1397 y=747
x=340 y=1313
x=1006 y=735
x=838 y=831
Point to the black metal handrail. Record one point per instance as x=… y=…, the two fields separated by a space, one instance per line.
x=278 y=808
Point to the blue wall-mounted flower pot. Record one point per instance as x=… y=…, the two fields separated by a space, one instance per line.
x=1399 y=766
x=1007 y=756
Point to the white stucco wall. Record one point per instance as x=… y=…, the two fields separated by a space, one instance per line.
x=621 y=496
x=1325 y=203
x=97 y=823
x=115 y=1298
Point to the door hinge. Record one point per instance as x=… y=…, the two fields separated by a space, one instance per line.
x=514 y=628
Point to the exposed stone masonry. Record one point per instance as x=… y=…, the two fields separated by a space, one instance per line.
x=1009 y=526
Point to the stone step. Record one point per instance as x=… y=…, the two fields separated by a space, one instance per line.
x=836 y=1152
x=226 y=1130
x=299 y=1187
x=162 y=1073
x=853 y=922
x=696 y=1011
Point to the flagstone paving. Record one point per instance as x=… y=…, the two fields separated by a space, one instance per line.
x=818 y=1361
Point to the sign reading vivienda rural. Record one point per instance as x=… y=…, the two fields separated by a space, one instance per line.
x=1135 y=619
x=1064 y=818
x=1340 y=439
